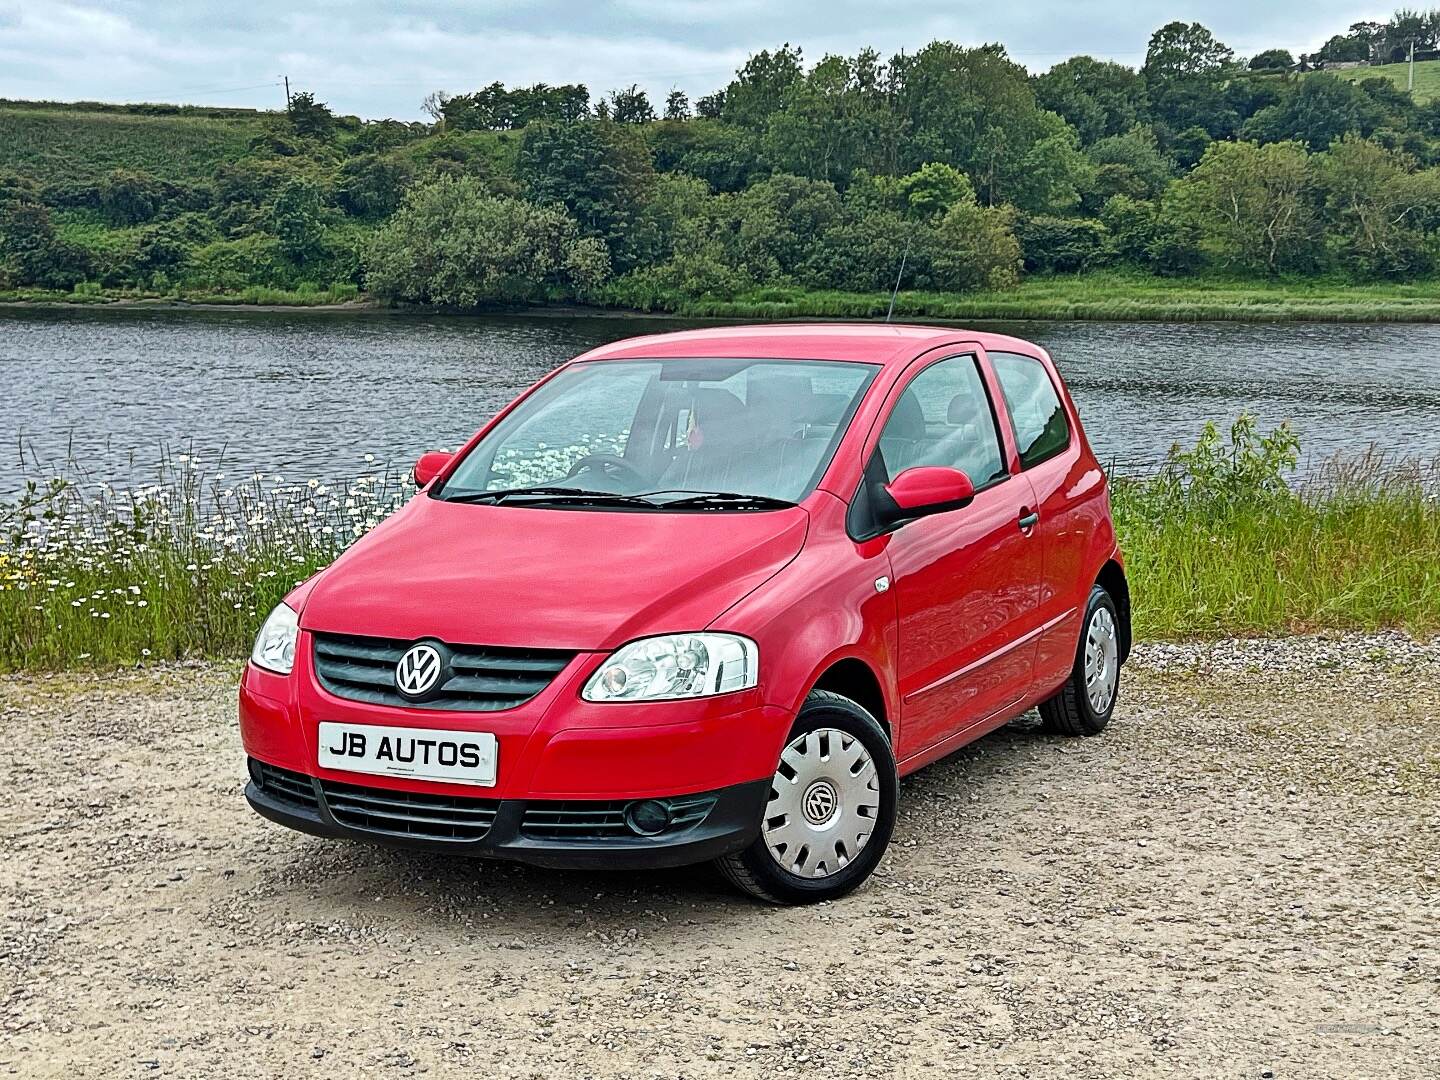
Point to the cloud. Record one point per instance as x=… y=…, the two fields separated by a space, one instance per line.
x=381 y=59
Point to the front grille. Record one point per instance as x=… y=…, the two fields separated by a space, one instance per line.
x=590 y=820
x=407 y=813
x=284 y=786
x=479 y=678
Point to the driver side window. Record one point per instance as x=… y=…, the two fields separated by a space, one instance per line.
x=546 y=447
x=944 y=418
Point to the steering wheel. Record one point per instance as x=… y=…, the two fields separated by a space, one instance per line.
x=611 y=465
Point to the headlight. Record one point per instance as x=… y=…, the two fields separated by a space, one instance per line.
x=676 y=666
x=275 y=644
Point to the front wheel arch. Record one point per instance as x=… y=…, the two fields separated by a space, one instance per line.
x=856 y=680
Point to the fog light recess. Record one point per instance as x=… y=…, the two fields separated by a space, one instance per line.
x=648 y=817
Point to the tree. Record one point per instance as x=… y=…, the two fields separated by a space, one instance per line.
x=1062 y=245
x=433 y=105
x=934 y=188
x=451 y=243
x=31 y=253
x=310 y=118
x=1183 y=68
x=677 y=105
x=1318 y=111
x=1130 y=228
x=1272 y=60
x=1096 y=97
x=598 y=170
x=297 y=220
x=711 y=106
x=130 y=197
x=760 y=86
x=1344 y=48
x=975 y=109
x=372 y=185
x=977 y=248
x=1254 y=205
x=1377 y=208
x=1052 y=169
x=1129 y=164
x=837 y=119
x=494 y=108
x=1179 y=50
x=725 y=156
x=631 y=106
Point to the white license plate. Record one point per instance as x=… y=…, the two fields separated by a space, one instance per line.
x=455 y=757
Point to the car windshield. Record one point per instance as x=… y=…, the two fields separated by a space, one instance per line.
x=655 y=434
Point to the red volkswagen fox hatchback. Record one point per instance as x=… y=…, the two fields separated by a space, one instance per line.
x=702 y=596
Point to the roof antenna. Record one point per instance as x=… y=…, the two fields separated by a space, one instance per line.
x=896 y=291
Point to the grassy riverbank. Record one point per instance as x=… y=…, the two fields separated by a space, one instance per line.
x=1217 y=544
x=1106 y=295
x=254 y=296
x=1101 y=295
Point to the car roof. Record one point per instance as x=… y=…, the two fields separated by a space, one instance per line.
x=875 y=343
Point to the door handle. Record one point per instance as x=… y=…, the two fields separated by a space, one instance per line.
x=1028 y=520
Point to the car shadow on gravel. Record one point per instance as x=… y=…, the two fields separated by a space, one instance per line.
x=352 y=882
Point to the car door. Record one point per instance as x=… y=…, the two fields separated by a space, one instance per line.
x=965 y=580
x=1067 y=487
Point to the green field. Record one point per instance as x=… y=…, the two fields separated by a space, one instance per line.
x=1427 y=77
x=65 y=145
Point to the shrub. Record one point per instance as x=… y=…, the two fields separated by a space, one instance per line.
x=1062 y=245
x=450 y=243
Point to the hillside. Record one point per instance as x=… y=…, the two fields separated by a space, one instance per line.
x=1427 y=77
x=68 y=145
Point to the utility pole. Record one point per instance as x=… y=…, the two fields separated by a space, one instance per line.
x=287 y=83
x=1411 y=84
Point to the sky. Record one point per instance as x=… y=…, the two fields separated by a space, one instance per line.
x=380 y=59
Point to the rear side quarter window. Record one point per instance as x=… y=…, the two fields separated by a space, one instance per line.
x=1036 y=414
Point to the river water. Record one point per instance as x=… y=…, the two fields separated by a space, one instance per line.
x=310 y=394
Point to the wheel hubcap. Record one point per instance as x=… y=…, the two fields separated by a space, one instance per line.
x=1102 y=660
x=823 y=805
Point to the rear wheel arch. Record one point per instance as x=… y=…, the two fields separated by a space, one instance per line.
x=1112 y=580
x=853 y=678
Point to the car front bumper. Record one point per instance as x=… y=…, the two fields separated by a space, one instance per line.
x=560 y=759
x=574 y=834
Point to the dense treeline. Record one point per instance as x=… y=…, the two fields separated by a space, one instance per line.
x=952 y=161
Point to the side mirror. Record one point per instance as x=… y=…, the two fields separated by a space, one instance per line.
x=429 y=466
x=928 y=489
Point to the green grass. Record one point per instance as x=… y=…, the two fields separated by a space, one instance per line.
x=186 y=564
x=66 y=145
x=1351 y=550
x=1100 y=295
x=180 y=564
x=254 y=295
x=1427 y=77
x=1105 y=295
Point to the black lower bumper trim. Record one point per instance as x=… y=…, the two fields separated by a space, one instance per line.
x=732 y=824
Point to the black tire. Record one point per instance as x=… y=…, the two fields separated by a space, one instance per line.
x=755 y=869
x=1070 y=711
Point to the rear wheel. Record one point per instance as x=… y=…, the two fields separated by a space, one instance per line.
x=1085 y=703
x=831 y=808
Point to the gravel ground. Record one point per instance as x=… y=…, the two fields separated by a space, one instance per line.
x=1238 y=879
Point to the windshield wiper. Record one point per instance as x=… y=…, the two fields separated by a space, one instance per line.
x=551 y=495
x=721 y=500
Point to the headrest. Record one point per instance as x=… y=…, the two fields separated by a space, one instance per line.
x=719 y=414
x=964 y=409
x=907 y=420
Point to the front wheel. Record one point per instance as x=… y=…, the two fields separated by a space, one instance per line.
x=1084 y=704
x=831 y=808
